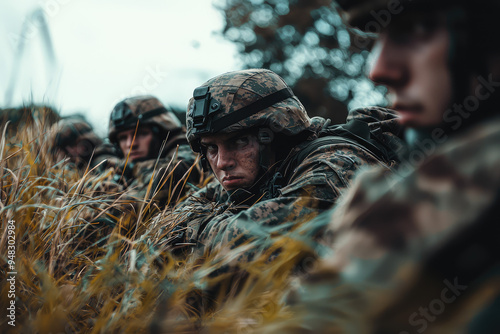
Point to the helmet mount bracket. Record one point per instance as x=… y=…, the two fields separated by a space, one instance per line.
x=204 y=107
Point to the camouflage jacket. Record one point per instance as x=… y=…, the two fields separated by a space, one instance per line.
x=104 y=157
x=417 y=251
x=165 y=180
x=213 y=220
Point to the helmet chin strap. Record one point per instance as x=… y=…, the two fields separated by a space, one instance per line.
x=265 y=137
x=265 y=157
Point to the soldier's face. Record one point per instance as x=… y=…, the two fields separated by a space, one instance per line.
x=234 y=158
x=410 y=57
x=141 y=144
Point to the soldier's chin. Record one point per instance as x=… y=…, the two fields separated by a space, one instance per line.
x=409 y=118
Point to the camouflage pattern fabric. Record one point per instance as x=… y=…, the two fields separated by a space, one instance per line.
x=104 y=157
x=128 y=112
x=166 y=174
x=415 y=252
x=213 y=221
x=234 y=91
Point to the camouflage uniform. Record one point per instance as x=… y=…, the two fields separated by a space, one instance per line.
x=214 y=218
x=418 y=251
x=168 y=171
x=411 y=252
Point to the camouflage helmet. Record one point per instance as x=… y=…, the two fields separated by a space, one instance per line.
x=234 y=101
x=147 y=110
x=69 y=131
x=73 y=137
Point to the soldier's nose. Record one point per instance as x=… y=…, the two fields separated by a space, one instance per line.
x=225 y=159
x=387 y=67
x=130 y=141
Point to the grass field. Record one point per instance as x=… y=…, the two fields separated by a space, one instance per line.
x=88 y=260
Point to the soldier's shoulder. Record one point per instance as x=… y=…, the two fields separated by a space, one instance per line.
x=333 y=155
x=178 y=152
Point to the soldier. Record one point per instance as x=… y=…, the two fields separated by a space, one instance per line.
x=419 y=251
x=271 y=169
x=144 y=130
x=73 y=137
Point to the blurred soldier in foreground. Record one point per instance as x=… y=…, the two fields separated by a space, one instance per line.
x=272 y=170
x=153 y=146
x=74 y=138
x=419 y=252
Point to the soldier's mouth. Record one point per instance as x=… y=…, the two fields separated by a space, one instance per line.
x=135 y=155
x=407 y=112
x=231 y=181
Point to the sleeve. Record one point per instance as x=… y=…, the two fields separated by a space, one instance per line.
x=195 y=211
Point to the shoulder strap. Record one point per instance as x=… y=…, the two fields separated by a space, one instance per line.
x=281 y=176
x=316 y=144
x=355 y=132
x=359 y=132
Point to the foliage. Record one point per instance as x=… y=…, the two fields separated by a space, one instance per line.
x=306 y=43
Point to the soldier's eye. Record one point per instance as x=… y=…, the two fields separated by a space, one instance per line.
x=142 y=132
x=242 y=141
x=210 y=148
x=410 y=29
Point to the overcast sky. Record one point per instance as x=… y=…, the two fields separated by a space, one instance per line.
x=107 y=50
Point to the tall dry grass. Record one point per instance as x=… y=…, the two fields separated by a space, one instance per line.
x=88 y=261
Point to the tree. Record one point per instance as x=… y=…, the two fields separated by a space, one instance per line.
x=306 y=42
